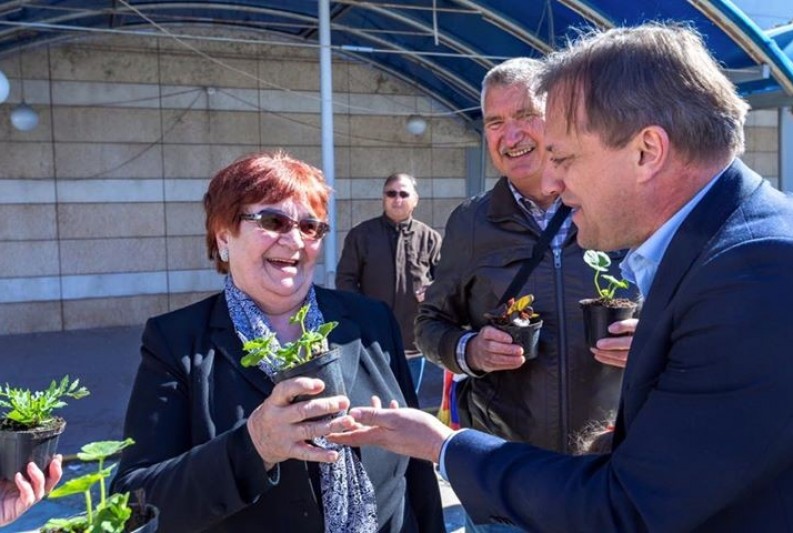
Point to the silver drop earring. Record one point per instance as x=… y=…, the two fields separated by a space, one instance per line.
x=224 y=255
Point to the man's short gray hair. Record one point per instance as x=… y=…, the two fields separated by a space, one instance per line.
x=516 y=71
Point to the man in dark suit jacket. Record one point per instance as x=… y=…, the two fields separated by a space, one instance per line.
x=644 y=131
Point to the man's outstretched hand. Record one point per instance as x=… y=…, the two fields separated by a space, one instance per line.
x=405 y=431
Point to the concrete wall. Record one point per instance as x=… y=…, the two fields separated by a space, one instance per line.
x=762 y=144
x=100 y=215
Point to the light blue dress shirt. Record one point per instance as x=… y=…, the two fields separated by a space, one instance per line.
x=641 y=263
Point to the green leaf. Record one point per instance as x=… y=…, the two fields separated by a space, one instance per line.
x=597 y=260
x=259 y=344
x=300 y=316
x=16 y=416
x=326 y=328
x=73 y=524
x=257 y=350
x=250 y=359
x=290 y=354
x=95 y=451
x=80 y=484
x=113 y=515
x=310 y=337
x=112 y=512
x=76 y=393
x=34 y=408
x=621 y=283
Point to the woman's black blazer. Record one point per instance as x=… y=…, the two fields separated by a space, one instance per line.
x=193 y=455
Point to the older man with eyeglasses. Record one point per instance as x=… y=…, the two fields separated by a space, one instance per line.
x=392 y=258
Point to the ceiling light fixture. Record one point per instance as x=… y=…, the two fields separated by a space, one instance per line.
x=416 y=125
x=23 y=117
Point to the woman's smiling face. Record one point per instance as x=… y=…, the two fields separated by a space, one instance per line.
x=276 y=270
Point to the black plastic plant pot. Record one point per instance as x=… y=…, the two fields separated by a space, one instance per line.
x=598 y=317
x=526 y=336
x=19 y=447
x=144 y=519
x=326 y=367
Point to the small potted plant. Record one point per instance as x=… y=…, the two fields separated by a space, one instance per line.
x=518 y=318
x=112 y=514
x=28 y=429
x=308 y=356
x=604 y=310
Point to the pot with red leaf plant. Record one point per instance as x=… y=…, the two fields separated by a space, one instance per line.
x=518 y=318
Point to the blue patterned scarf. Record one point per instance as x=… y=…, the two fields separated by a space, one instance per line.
x=348 y=498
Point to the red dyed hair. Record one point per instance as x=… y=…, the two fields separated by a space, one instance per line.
x=262 y=177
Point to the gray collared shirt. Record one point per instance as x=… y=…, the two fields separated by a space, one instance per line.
x=543 y=217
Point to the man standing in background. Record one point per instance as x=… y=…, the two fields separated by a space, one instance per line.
x=392 y=258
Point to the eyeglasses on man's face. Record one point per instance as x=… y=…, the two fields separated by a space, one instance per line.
x=394 y=194
x=272 y=220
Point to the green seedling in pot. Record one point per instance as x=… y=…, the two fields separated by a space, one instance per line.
x=600 y=263
x=312 y=342
x=34 y=409
x=111 y=512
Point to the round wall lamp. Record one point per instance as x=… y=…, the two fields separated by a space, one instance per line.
x=24 y=117
x=5 y=88
x=416 y=125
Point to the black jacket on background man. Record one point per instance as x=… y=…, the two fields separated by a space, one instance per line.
x=390 y=262
x=551 y=398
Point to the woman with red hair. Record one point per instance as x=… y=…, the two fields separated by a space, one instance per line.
x=220 y=447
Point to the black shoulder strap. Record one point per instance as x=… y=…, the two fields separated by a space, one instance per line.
x=536 y=256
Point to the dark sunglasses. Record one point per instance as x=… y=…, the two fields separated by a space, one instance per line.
x=270 y=220
x=394 y=194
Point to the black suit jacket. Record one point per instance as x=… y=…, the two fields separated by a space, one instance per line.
x=704 y=439
x=193 y=455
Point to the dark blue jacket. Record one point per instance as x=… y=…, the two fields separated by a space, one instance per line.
x=704 y=439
